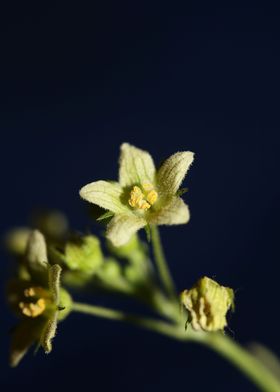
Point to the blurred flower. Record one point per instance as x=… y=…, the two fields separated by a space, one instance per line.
x=52 y=223
x=208 y=303
x=16 y=240
x=143 y=196
x=37 y=298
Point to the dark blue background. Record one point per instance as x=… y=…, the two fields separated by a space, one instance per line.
x=77 y=81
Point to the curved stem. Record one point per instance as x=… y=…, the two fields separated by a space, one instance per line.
x=218 y=342
x=161 y=327
x=161 y=262
x=244 y=361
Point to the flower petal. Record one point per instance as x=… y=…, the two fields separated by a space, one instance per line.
x=54 y=282
x=105 y=194
x=122 y=227
x=174 y=212
x=136 y=166
x=49 y=333
x=26 y=333
x=36 y=255
x=173 y=171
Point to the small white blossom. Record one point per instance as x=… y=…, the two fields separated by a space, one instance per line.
x=143 y=196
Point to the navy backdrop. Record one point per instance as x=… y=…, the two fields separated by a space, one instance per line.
x=77 y=81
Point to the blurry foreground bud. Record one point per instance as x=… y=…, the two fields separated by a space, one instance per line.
x=36 y=256
x=37 y=299
x=53 y=224
x=208 y=303
x=16 y=240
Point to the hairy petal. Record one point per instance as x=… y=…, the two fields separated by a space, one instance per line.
x=136 y=166
x=49 y=333
x=105 y=194
x=174 y=212
x=36 y=255
x=122 y=227
x=54 y=282
x=172 y=172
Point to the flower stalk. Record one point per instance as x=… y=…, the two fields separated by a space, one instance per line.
x=161 y=263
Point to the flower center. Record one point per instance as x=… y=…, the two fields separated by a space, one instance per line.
x=36 y=301
x=142 y=198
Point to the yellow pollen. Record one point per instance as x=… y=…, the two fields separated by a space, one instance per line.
x=29 y=292
x=38 y=297
x=33 y=309
x=152 y=197
x=144 y=198
x=35 y=292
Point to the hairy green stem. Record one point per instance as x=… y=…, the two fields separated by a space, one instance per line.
x=158 y=326
x=218 y=342
x=161 y=262
x=250 y=366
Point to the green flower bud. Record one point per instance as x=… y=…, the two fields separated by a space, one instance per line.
x=111 y=270
x=111 y=277
x=134 y=250
x=83 y=254
x=133 y=274
x=65 y=304
x=125 y=251
x=208 y=303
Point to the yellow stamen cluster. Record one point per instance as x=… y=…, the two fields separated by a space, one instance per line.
x=33 y=309
x=38 y=305
x=144 y=198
